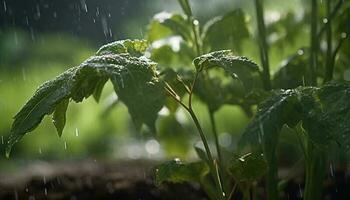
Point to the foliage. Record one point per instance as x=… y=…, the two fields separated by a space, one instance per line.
x=318 y=112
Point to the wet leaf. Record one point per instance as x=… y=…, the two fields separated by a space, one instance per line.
x=238 y=67
x=135 y=81
x=176 y=172
x=59 y=116
x=135 y=48
x=248 y=167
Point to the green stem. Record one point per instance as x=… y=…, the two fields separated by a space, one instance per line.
x=330 y=16
x=216 y=137
x=209 y=154
x=315 y=168
x=263 y=44
x=272 y=177
x=329 y=64
x=313 y=42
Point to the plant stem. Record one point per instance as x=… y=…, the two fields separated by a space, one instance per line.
x=313 y=42
x=209 y=154
x=329 y=64
x=315 y=167
x=263 y=44
x=211 y=162
x=215 y=133
x=330 y=16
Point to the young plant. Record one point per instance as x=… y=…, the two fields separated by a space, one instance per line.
x=319 y=114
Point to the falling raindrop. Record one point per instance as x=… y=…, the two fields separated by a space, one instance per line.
x=40 y=151
x=44 y=179
x=76 y=132
x=5 y=6
x=83 y=5
x=65 y=145
x=38 y=14
x=45 y=191
x=104 y=26
x=300 y=191
x=97 y=11
x=331 y=169
x=2 y=139
x=54 y=14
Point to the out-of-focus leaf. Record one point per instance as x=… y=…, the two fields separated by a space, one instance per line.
x=59 y=116
x=293 y=72
x=237 y=67
x=172 y=52
x=166 y=24
x=135 y=81
x=286 y=30
x=173 y=136
x=226 y=32
x=248 y=167
x=176 y=172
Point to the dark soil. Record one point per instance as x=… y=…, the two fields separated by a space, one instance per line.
x=127 y=180
x=92 y=180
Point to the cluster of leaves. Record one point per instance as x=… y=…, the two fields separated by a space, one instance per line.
x=176 y=43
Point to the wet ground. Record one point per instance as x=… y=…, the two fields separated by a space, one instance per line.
x=124 y=180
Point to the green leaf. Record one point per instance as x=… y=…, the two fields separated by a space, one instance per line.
x=43 y=102
x=176 y=172
x=166 y=24
x=329 y=119
x=237 y=67
x=281 y=108
x=248 y=167
x=135 y=48
x=98 y=89
x=201 y=154
x=135 y=81
x=226 y=32
x=59 y=116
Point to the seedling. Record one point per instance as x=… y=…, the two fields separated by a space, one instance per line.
x=319 y=113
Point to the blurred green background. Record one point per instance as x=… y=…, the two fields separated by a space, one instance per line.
x=41 y=39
